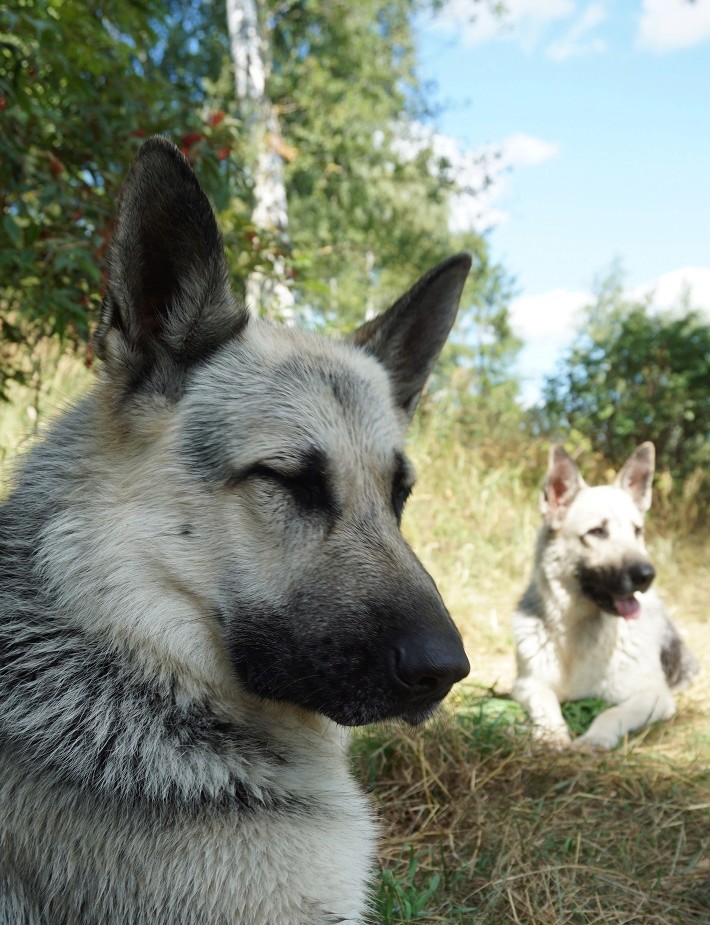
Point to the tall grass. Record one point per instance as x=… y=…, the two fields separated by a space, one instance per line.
x=54 y=378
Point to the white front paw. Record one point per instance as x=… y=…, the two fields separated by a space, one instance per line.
x=557 y=737
x=596 y=741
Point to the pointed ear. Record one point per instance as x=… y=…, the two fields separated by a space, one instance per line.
x=408 y=337
x=636 y=475
x=562 y=483
x=168 y=304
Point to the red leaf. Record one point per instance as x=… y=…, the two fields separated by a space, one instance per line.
x=55 y=166
x=191 y=139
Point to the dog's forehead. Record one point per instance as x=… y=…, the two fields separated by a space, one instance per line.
x=279 y=391
x=605 y=503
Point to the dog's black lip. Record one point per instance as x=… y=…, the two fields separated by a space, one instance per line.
x=603 y=598
x=414 y=714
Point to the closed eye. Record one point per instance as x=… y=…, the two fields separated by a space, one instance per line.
x=308 y=486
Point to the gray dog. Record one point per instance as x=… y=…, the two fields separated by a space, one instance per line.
x=589 y=625
x=202 y=582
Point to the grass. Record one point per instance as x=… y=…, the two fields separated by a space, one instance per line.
x=482 y=826
x=58 y=378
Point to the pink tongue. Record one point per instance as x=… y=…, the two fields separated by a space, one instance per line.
x=627 y=607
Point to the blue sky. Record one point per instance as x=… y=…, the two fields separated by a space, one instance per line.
x=602 y=113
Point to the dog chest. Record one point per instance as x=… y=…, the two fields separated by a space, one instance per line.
x=93 y=864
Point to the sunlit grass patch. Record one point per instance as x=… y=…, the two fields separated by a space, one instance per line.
x=485 y=827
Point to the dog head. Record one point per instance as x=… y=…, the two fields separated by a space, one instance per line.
x=270 y=462
x=600 y=530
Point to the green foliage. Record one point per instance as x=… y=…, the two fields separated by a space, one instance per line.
x=368 y=201
x=636 y=374
x=579 y=714
x=475 y=380
x=81 y=84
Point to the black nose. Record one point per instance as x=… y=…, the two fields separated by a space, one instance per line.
x=426 y=667
x=641 y=575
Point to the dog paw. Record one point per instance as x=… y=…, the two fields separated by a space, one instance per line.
x=595 y=743
x=558 y=739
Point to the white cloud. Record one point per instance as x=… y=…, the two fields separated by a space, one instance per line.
x=522 y=20
x=578 y=41
x=669 y=288
x=667 y=25
x=546 y=323
x=549 y=316
x=484 y=174
x=523 y=150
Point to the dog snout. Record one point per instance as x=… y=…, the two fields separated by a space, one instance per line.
x=426 y=666
x=641 y=575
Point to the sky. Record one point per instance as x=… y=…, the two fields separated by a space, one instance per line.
x=600 y=115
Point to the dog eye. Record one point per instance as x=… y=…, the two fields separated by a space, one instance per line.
x=400 y=492
x=601 y=532
x=638 y=531
x=308 y=487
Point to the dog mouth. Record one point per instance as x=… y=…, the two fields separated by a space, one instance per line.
x=627 y=606
x=616 y=591
x=353 y=699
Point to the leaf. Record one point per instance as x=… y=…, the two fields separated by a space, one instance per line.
x=13 y=229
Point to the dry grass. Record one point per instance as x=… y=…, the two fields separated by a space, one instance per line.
x=57 y=377
x=507 y=832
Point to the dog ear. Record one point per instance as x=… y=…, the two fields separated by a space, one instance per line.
x=408 y=337
x=168 y=304
x=562 y=483
x=636 y=475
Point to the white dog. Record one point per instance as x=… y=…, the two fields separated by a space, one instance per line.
x=588 y=625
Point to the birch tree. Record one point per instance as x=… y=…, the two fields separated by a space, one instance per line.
x=267 y=291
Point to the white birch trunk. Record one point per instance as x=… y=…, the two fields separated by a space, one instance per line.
x=251 y=58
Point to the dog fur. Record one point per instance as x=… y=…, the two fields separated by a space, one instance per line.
x=589 y=625
x=202 y=584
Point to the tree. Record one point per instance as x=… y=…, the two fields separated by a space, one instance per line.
x=633 y=374
x=367 y=212
x=250 y=48
x=81 y=85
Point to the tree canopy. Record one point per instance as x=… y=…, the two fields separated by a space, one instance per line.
x=81 y=85
x=636 y=373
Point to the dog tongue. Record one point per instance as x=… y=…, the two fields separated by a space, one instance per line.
x=627 y=607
